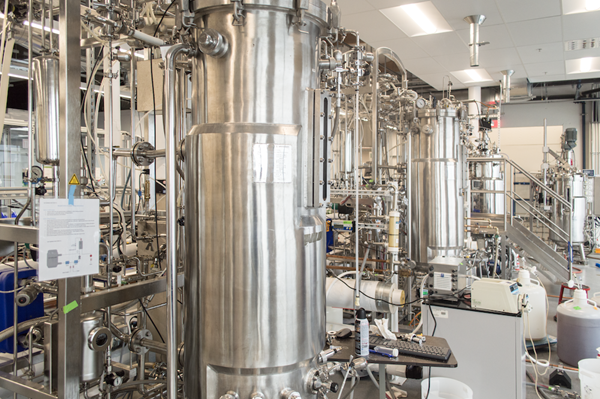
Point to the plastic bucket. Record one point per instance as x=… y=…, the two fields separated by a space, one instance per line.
x=589 y=377
x=445 y=388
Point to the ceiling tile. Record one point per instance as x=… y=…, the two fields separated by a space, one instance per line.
x=405 y=48
x=581 y=26
x=456 y=10
x=547 y=78
x=454 y=62
x=497 y=35
x=372 y=26
x=350 y=7
x=496 y=74
x=546 y=30
x=504 y=56
x=545 y=68
x=441 y=44
x=438 y=80
x=519 y=10
x=541 y=52
x=424 y=65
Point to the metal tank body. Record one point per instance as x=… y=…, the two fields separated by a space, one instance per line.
x=92 y=362
x=487 y=176
x=561 y=216
x=255 y=268
x=45 y=75
x=436 y=191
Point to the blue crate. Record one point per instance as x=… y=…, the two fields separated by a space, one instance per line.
x=31 y=311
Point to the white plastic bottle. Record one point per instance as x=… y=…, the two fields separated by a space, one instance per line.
x=534 y=321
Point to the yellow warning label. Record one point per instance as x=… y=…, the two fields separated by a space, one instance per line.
x=74 y=180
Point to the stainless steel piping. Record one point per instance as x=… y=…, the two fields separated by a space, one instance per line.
x=132 y=86
x=170 y=131
x=381 y=52
x=474 y=22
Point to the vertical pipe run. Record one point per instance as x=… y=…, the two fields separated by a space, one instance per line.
x=30 y=188
x=474 y=21
x=357 y=182
x=545 y=164
x=170 y=132
x=132 y=78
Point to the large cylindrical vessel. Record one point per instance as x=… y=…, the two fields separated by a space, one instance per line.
x=570 y=187
x=436 y=191
x=487 y=176
x=255 y=278
x=45 y=73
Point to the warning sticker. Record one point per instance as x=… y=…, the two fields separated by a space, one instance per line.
x=74 y=180
x=272 y=163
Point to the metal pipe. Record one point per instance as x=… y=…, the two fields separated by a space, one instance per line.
x=133 y=179
x=31 y=192
x=474 y=22
x=545 y=164
x=170 y=131
x=506 y=74
x=356 y=177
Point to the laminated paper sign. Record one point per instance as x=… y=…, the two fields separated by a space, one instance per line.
x=69 y=236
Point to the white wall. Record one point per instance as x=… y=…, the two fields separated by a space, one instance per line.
x=531 y=115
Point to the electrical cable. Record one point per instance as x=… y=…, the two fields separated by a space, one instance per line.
x=152 y=321
x=432 y=334
x=351 y=389
x=381 y=300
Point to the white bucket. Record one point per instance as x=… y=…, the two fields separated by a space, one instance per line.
x=589 y=377
x=445 y=388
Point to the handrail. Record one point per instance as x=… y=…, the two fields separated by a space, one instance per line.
x=552 y=193
x=541 y=219
x=503 y=158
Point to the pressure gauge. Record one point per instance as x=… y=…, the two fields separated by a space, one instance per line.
x=420 y=103
x=36 y=172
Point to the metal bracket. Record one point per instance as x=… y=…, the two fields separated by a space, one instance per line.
x=239 y=13
x=301 y=6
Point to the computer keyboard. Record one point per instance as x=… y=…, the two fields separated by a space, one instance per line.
x=412 y=348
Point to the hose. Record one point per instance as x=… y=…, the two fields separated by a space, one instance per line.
x=372 y=377
x=22 y=326
x=22 y=210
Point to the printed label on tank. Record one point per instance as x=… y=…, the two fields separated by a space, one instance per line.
x=282 y=170
x=272 y=163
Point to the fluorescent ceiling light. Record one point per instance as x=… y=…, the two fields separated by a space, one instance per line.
x=583 y=65
x=417 y=19
x=579 y=6
x=592 y=5
x=421 y=19
x=471 y=76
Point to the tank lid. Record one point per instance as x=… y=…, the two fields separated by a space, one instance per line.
x=315 y=8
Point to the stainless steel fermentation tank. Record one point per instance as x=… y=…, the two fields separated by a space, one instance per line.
x=255 y=277
x=570 y=187
x=488 y=176
x=437 y=185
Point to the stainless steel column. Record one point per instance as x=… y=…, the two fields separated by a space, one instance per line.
x=69 y=330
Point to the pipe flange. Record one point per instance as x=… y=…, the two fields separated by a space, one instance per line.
x=289 y=393
x=137 y=153
x=230 y=395
x=257 y=395
x=212 y=43
x=135 y=344
x=99 y=339
x=313 y=381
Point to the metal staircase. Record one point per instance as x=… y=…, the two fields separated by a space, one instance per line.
x=552 y=263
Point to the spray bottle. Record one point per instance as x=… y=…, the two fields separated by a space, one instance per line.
x=361 y=333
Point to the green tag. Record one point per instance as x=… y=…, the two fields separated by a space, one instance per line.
x=69 y=307
x=425 y=292
x=576 y=308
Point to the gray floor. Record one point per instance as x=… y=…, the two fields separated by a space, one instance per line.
x=590 y=275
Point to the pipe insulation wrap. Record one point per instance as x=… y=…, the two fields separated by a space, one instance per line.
x=340 y=296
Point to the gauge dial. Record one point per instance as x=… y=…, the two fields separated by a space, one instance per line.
x=420 y=103
x=36 y=172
